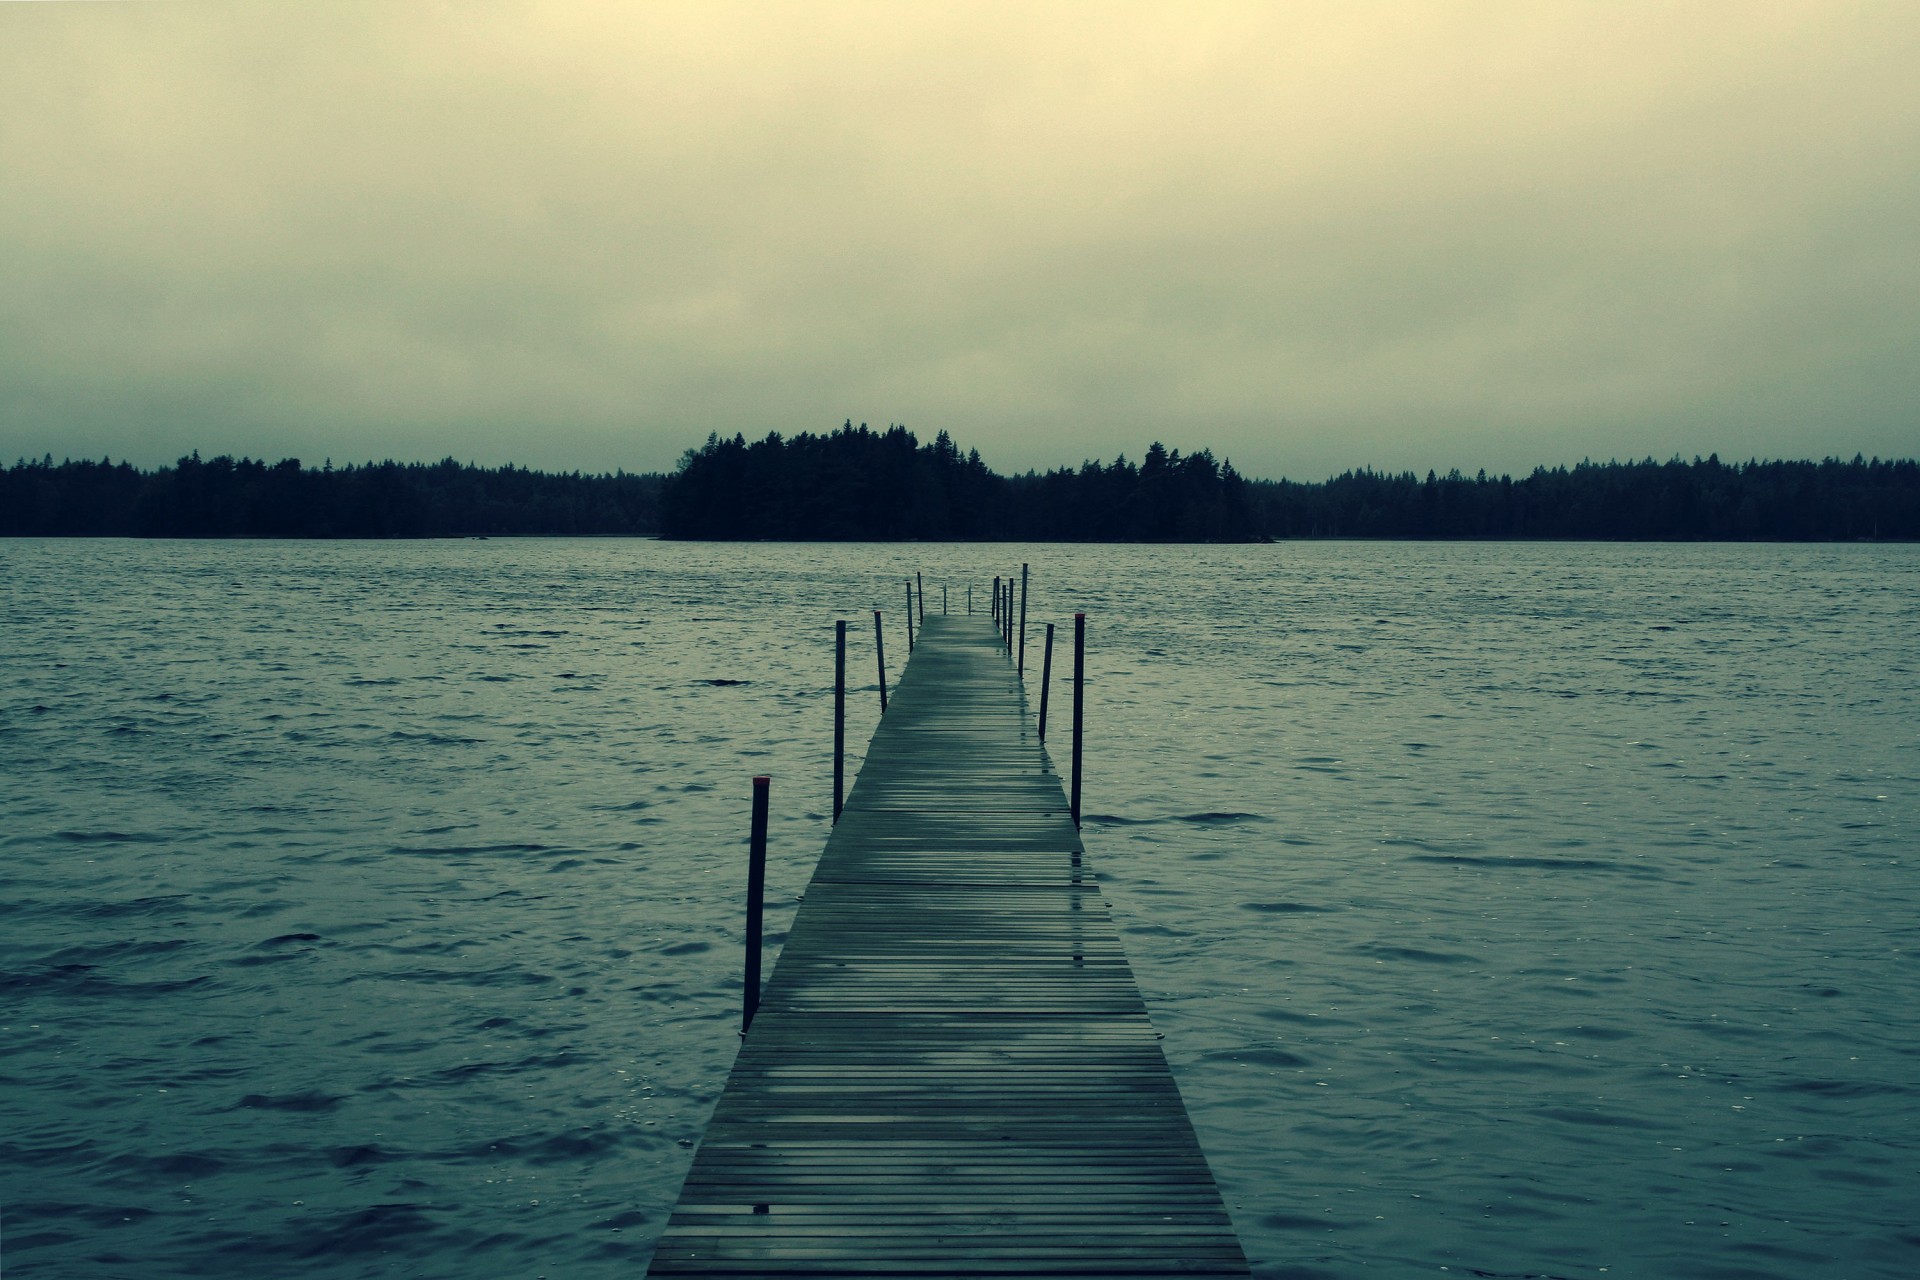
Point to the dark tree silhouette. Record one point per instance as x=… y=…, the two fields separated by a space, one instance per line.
x=1647 y=500
x=224 y=498
x=856 y=483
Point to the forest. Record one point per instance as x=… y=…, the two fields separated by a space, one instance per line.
x=858 y=483
x=224 y=498
x=1702 y=500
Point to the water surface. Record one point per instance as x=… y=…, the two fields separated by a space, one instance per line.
x=372 y=909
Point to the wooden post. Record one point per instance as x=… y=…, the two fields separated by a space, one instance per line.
x=943 y=598
x=969 y=599
x=839 y=716
x=1021 y=666
x=1007 y=619
x=1046 y=677
x=1079 y=699
x=756 y=893
x=880 y=657
x=996 y=602
x=909 y=617
x=920 y=587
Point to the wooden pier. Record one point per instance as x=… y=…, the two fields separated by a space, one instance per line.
x=951 y=1072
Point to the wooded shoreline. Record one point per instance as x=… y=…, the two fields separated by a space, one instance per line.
x=856 y=484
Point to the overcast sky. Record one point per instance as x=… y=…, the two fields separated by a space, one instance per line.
x=1310 y=236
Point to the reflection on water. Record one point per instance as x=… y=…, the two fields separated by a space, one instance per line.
x=371 y=909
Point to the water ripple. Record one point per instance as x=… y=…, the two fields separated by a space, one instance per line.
x=372 y=909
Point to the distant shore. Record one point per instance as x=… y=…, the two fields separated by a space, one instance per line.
x=862 y=486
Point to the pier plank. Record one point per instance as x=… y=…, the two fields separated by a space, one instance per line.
x=951 y=1072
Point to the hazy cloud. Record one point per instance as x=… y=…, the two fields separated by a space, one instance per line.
x=1311 y=236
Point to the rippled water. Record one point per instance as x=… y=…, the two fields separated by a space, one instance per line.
x=371 y=909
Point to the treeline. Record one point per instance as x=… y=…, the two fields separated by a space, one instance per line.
x=857 y=483
x=224 y=498
x=1654 y=501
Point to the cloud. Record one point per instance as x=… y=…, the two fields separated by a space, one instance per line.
x=1311 y=236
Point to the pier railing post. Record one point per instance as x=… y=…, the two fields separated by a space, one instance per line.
x=756 y=895
x=920 y=589
x=996 y=602
x=839 y=716
x=909 y=617
x=880 y=658
x=1007 y=620
x=1079 y=702
x=1046 y=678
x=943 y=598
x=1021 y=666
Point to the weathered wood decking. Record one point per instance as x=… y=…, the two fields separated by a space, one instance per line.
x=951 y=1072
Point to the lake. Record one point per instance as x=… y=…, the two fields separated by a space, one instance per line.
x=372 y=909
